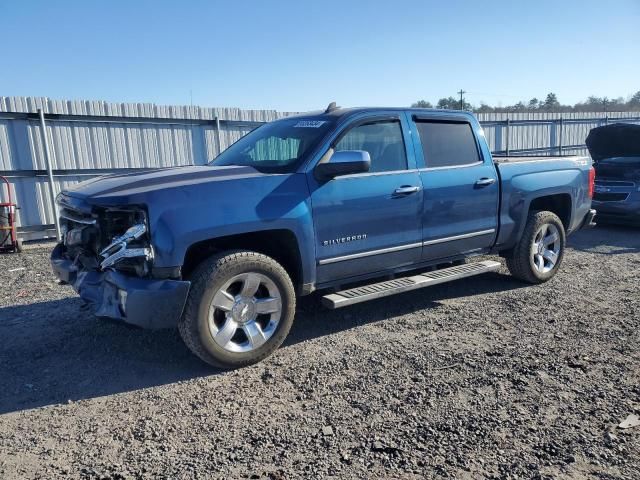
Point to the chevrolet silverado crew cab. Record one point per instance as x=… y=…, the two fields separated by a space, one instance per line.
x=358 y=203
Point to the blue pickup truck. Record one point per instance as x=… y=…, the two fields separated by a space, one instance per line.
x=358 y=203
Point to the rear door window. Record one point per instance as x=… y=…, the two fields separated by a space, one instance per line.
x=447 y=144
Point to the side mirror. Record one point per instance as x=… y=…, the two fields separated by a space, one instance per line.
x=346 y=162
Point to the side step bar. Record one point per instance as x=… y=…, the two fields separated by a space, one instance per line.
x=405 y=284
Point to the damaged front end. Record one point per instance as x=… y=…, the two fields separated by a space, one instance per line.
x=107 y=256
x=120 y=249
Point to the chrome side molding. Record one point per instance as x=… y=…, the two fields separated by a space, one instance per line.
x=369 y=253
x=399 y=248
x=459 y=237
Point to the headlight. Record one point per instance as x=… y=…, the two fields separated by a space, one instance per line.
x=118 y=249
x=129 y=245
x=132 y=233
x=115 y=222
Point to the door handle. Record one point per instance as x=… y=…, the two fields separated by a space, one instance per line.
x=406 y=190
x=483 y=182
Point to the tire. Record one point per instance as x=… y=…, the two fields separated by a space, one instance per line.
x=18 y=245
x=228 y=321
x=532 y=263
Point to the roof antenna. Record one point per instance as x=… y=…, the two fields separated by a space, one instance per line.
x=332 y=106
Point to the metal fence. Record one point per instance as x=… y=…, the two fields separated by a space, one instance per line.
x=546 y=133
x=89 y=138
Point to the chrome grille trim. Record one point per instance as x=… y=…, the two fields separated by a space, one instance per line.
x=614 y=183
x=74 y=217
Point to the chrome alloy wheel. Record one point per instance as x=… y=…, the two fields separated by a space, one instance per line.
x=545 y=249
x=245 y=312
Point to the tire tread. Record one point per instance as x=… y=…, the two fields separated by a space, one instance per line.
x=217 y=265
x=518 y=260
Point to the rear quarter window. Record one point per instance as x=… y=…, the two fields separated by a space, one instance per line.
x=447 y=144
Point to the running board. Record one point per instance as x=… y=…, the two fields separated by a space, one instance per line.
x=405 y=284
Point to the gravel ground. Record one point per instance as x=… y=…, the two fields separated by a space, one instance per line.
x=483 y=378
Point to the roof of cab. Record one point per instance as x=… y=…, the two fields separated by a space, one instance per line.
x=340 y=112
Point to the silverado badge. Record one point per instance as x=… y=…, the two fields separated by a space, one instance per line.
x=351 y=238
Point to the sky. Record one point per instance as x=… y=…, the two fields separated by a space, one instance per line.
x=301 y=55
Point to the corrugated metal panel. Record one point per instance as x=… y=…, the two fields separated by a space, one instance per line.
x=546 y=131
x=80 y=145
x=144 y=143
x=32 y=195
x=228 y=136
x=147 y=110
x=7 y=160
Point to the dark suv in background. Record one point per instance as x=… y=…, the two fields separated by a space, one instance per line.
x=615 y=150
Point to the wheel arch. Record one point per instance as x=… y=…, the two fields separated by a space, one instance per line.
x=558 y=203
x=280 y=244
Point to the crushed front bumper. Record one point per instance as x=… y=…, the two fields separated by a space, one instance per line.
x=145 y=302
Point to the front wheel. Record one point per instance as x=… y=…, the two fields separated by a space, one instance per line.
x=538 y=255
x=239 y=309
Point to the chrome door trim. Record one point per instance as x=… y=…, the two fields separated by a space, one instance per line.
x=369 y=253
x=451 y=167
x=459 y=237
x=376 y=174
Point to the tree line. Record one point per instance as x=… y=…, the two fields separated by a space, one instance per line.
x=549 y=104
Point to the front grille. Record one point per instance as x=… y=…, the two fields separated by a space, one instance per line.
x=614 y=183
x=610 y=197
x=79 y=231
x=76 y=217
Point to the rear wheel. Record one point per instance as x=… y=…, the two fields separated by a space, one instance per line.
x=538 y=255
x=239 y=310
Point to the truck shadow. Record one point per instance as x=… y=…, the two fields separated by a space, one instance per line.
x=55 y=352
x=605 y=239
x=315 y=321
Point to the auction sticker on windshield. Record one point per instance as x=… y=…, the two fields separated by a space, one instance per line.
x=309 y=124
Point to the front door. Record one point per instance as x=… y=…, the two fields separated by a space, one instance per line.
x=369 y=222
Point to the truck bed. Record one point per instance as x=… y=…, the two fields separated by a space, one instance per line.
x=536 y=158
x=537 y=176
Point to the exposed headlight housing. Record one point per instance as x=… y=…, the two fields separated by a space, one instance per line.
x=129 y=247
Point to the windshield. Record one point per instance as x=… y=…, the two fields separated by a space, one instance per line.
x=277 y=147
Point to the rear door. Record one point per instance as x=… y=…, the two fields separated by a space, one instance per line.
x=461 y=188
x=369 y=222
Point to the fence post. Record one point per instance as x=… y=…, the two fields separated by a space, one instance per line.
x=52 y=187
x=508 y=135
x=497 y=137
x=218 y=136
x=560 y=133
